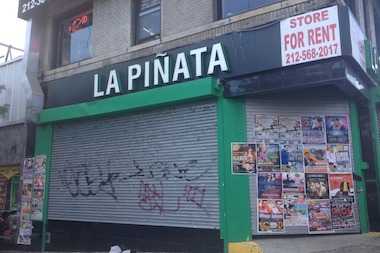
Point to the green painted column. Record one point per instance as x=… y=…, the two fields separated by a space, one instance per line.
x=374 y=100
x=235 y=212
x=43 y=147
x=359 y=166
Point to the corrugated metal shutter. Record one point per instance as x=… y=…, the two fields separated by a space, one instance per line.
x=297 y=107
x=153 y=168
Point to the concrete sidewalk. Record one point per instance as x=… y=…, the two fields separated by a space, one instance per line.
x=342 y=243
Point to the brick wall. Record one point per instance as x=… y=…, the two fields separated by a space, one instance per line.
x=183 y=23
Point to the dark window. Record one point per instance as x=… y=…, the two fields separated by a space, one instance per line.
x=230 y=8
x=75 y=39
x=149 y=20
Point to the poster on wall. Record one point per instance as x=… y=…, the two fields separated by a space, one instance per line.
x=338 y=158
x=268 y=158
x=27 y=168
x=289 y=129
x=38 y=187
x=270 y=216
x=341 y=185
x=269 y=185
x=319 y=213
x=313 y=129
x=243 y=158
x=291 y=158
x=317 y=185
x=295 y=207
x=342 y=214
x=337 y=129
x=293 y=183
x=315 y=158
x=266 y=128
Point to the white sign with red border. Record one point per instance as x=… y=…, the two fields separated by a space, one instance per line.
x=311 y=36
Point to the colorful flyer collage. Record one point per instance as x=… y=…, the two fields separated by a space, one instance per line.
x=38 y=187
x=24 y=236
x=303 y=163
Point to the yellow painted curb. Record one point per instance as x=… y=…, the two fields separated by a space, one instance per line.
x=244 y=247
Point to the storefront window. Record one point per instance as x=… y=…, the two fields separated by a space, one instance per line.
x=75 y=39
x=230 y=8
x=149 y=20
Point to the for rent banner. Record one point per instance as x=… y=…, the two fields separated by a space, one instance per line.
x=310 y=37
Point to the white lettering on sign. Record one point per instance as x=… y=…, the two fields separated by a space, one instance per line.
x=160 y=71
x=310 y=37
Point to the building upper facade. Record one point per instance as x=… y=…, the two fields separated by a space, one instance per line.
x=84 y=35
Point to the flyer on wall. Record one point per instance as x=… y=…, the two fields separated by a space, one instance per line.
x=266 y=128
x=268 y=158
x=315 y=158
x=291 y=158
x=295 y=206
x=293 y=182
x=317 y=185
x=319 y=213
x=27 y=168
x=289 y=129
x=243 y=158
x=270 y=216
x=342 y=214
x=337 y=129
x=341 y=185
x=338 y=158
x=313 y=129
x=269 y=185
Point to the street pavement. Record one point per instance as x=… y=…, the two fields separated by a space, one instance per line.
x=337 y=243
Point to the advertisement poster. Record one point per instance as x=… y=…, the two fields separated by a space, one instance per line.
x=266 y=128
x=342 y=214
x=291 y=158
x=270 y=216
x=243 y=158
x=268 y=158
x=293 y=182
x=3 y=191
x=27 y=189
x=315 y=158
x=295 y=207
x=25 y=210
x=338 y=158
x=319 y=213
x=317 y=185
x=269 y=185
x=337 y=129
x=38 y=187
x=313 y=129
x=341 y=185
x=27 y=168
x=289 y=129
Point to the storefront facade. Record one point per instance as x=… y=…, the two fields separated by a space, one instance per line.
x=175 y=142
